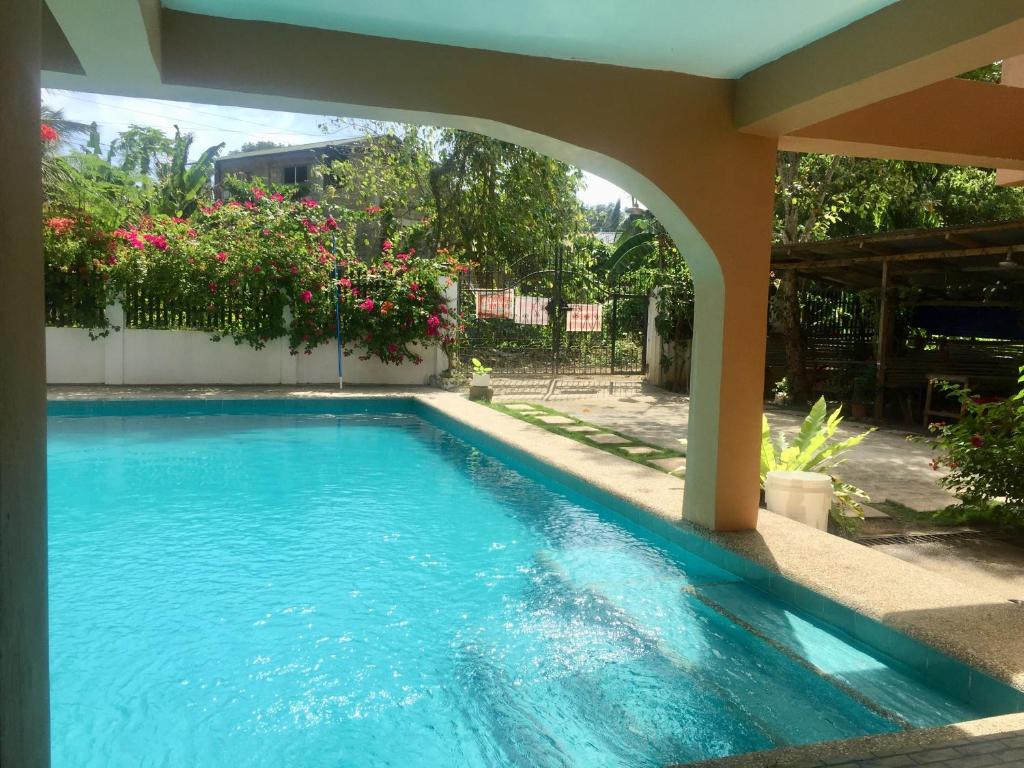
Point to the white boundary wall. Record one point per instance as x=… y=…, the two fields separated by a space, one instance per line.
x=189 y=357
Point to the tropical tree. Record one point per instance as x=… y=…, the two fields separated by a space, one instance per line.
x=502 y=205
x=140 y=149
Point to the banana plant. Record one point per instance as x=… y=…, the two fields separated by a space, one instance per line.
x=814 y=449
x=181 y=184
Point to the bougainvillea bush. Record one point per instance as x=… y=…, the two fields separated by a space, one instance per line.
x=257 y=269
x=984 y=452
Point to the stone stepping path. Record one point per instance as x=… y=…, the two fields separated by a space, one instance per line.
x=598 y=437
x=669 y=465
x=556 y=420
x=605 y=438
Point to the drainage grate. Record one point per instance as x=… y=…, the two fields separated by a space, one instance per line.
x=921 y=538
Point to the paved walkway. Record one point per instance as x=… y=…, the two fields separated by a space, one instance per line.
x=886 y=465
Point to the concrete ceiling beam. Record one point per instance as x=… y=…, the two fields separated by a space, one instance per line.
x=113 y=40
x=957 y=122
x=900 y=48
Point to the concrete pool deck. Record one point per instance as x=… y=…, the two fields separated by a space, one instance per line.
x=977 y=627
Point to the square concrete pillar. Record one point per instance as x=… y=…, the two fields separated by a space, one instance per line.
x=24 y=683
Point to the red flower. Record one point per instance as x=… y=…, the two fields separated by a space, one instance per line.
x=388 y=245
x=306 y=296
x=310 y=203
x=213 y=287
x=221 y=256
x=385 y=307
x=257 y=268
x=47 y=133
x=373 y=209
x=432 y=322
x=157 y=241
x=277 y=197
x=59 y=225
x=257 y=192
x=367 y=305
x=345 y=282
x=977 y=441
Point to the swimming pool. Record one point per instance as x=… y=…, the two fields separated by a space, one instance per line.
x=361 y=583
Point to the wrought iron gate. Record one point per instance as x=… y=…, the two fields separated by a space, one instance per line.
x=562 y=319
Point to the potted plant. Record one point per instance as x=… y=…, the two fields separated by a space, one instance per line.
x=481 y=375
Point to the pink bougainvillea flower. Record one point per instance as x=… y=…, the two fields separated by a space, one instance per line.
x=367 y=305
x=213 y=287
x=157 y=241
x=309 y=203
x=59 y=224
x=111 y=259
x=388 y=265
x=250 y=205
x=310 y=226
x=345 y=282
x=47 y=133
x=977 y=441
x=277 y=197
x=222 y=256
x=373 y=209
x=257 y=193
x=432 y=322
x=393 y=348
x=307 y=296
x=386 y=306
x=257 y=268
x=330 y=224
x=388 y=245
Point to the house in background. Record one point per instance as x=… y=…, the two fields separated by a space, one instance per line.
x=286 y=165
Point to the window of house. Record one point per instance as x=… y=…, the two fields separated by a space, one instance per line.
x=296 y=174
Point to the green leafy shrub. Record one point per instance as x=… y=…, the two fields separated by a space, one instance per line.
x=255 y=269
x=984 y=451
x=78 y=265
x=815 y=449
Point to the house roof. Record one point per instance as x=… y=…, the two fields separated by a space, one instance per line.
x=312 y=147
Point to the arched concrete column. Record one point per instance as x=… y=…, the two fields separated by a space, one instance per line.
x=667 y=137
x=24 y=695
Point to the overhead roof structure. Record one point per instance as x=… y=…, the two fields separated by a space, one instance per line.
x=937 y=260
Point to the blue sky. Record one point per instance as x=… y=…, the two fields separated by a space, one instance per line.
x=233 y=125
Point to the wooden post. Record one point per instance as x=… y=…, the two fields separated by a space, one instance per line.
x=884 y=332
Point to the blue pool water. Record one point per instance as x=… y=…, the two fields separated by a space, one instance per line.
x=303 y=589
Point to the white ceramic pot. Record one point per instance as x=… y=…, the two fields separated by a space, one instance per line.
x=481 y=380
x=802 y=496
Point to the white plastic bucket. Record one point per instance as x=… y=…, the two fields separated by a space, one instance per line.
x=802 y=496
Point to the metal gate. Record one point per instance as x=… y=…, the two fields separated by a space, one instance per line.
x=563 y=319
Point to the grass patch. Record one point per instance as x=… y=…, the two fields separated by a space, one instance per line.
x=657 y=452
x=989 y=516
